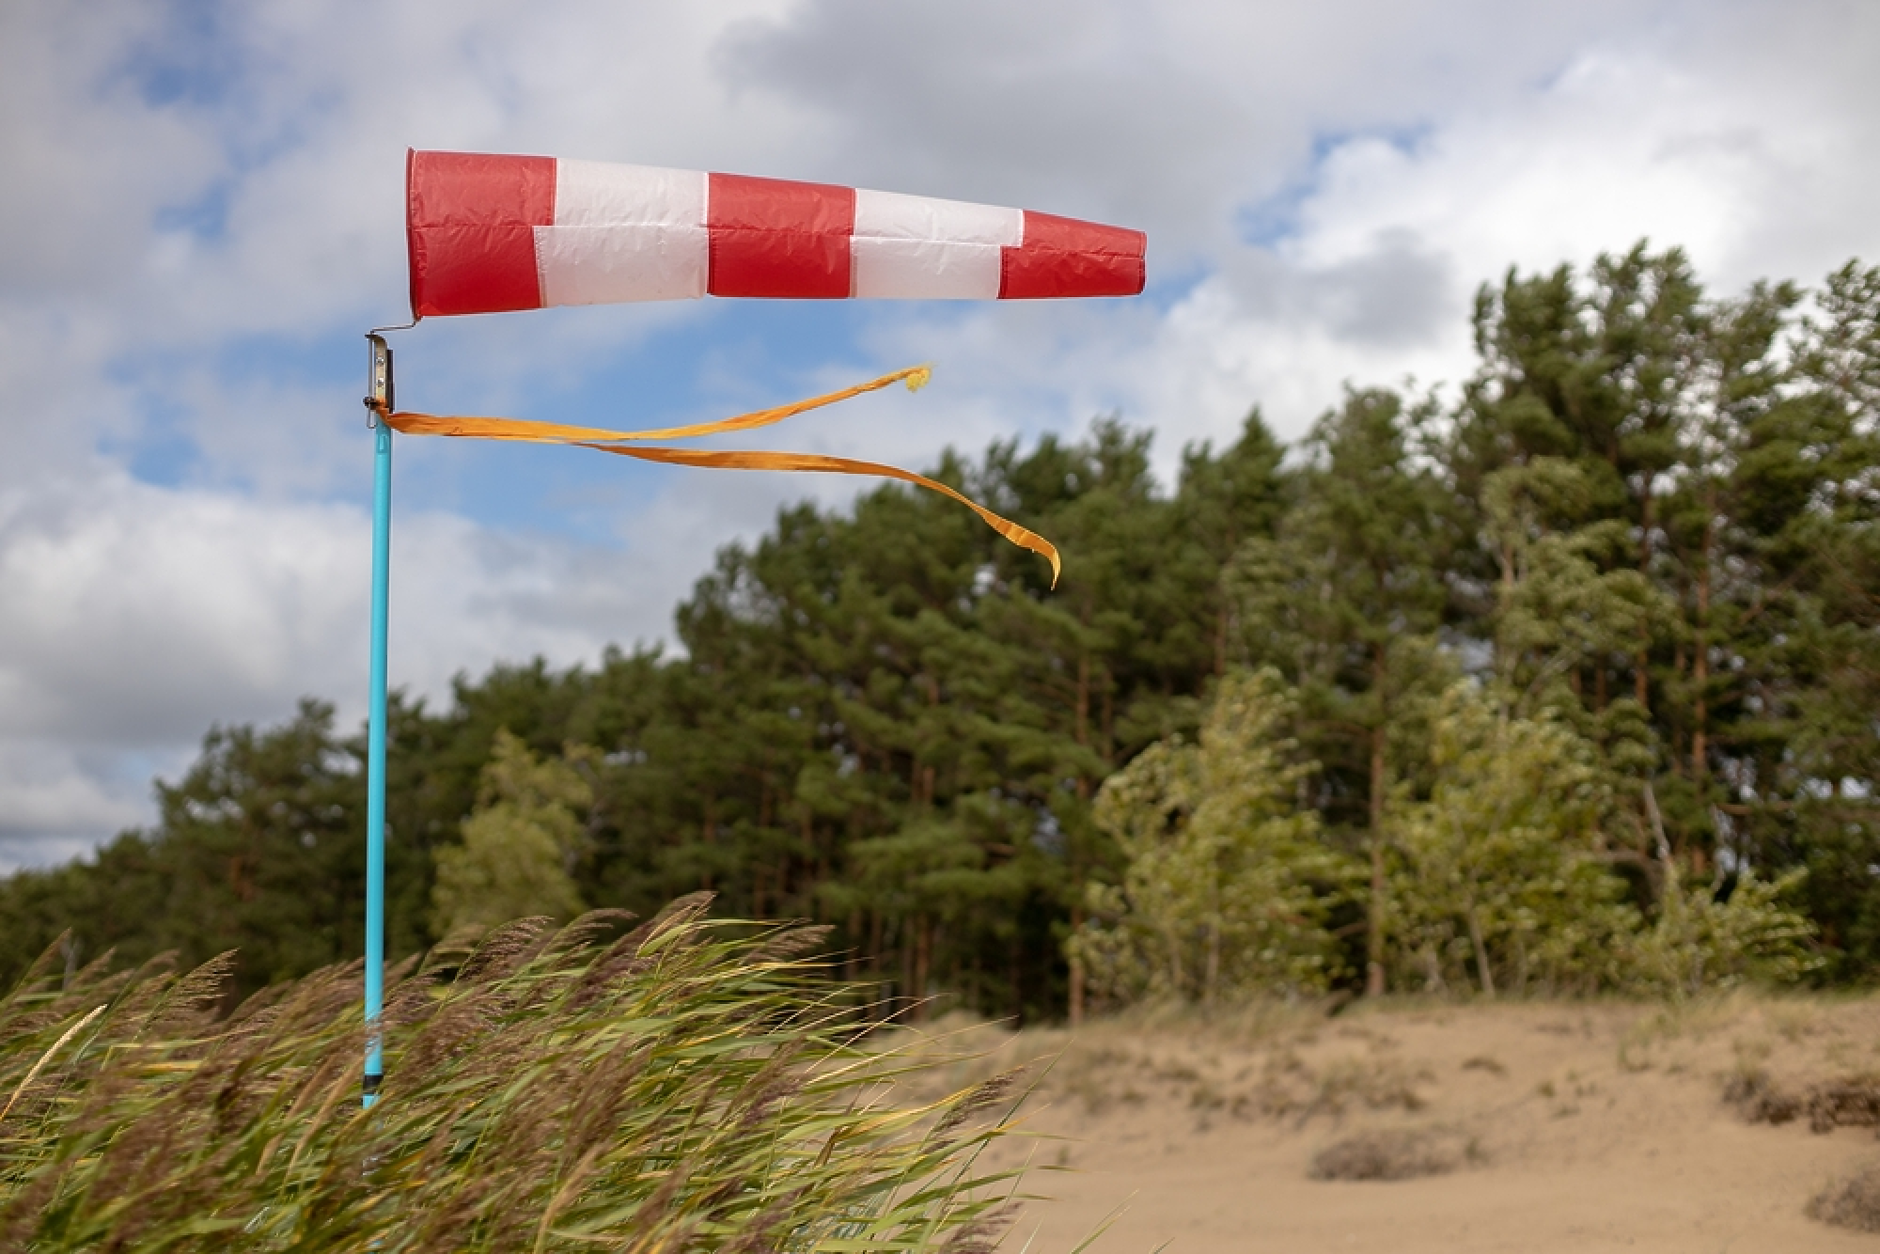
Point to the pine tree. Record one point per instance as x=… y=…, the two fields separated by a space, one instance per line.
x=1344 y=601
x=1499 y=874
x=1228 y=887
x=520 y=845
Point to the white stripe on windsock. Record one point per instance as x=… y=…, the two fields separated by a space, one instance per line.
x=917 y=247
x=624 y=233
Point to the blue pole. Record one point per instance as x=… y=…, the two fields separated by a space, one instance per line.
x=375 y=759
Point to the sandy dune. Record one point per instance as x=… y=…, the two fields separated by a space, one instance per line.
x=1567 y=1127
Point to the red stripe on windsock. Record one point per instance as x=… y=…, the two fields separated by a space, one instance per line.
x=471 y=221
x=1066 y=257
x=774 y=237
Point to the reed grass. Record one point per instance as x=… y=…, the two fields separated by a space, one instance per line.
x=689 y=1085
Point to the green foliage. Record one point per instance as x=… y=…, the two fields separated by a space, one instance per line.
x=1699 y=941
x=1228 y=887
x=1497 y=882
x=1562 y=602
x=519 y=845
x=260 y=849
x=1730 y=446
x=1345 y=600
x=687 y=1087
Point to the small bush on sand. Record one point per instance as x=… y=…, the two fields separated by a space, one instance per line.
x=1396 y=1154
x=1758 y=1100
x=690 y=1086
x=1849 y=1102
x=1850 y=1203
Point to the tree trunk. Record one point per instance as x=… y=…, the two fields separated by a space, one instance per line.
x=1174 y=943
x=1083 y=697
x=851 y=961
x=904 y=942
x=1658 y=824
x=1214 y=964
x=1016 y=974
x=1109 y=717
x=822 y=862
x=1374 y=920
x=1700 y=663
x=923 y=956
x=1481 y=952
x=1083 y=794
x=1077 y=971
x=1641 y=679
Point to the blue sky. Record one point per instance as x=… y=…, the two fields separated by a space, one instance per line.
x=203 y=214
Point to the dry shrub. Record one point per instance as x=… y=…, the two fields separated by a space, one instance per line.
x=1393 y=1154
x=1853 y=1102
x=1291 y=1088
x=1758 y=1100
x=1850 y=1203
x=1849 y=1102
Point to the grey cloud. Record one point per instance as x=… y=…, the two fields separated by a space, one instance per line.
x=57 y=799
x=1396 y=296
x=1170 y=117
x=1399 y=292
x=1046 y=103
x=88 y=161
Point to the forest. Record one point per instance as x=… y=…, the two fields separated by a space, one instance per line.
x=1562 y=681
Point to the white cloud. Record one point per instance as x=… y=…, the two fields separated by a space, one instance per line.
x=1171 y=117
x=137 y=616
x=1388 y=235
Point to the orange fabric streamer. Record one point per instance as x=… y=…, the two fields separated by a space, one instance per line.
x=558 y=433
x=605 y=441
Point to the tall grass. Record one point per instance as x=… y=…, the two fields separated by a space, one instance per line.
x=689 y=1086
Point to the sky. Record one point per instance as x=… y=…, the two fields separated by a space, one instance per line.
x=202 y=212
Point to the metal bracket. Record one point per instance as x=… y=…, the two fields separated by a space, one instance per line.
x=379 y=394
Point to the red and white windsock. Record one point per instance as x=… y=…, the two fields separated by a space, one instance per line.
x=493 y=233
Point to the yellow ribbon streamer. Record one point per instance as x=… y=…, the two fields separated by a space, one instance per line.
x=605 y=441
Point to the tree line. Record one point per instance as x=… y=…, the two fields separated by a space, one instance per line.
x=1567 y=682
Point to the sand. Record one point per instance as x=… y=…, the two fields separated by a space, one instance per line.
x=1564 y=1127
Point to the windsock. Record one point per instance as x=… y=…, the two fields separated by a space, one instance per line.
x=494 y=233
